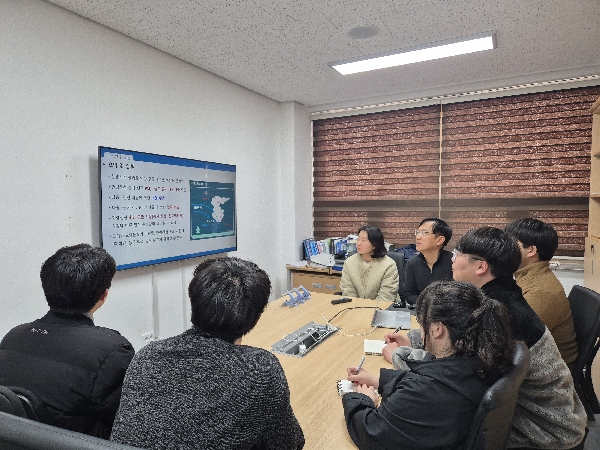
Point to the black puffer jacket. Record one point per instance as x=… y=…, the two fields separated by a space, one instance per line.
x=76 y=369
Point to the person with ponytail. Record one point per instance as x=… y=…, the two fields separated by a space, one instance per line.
x=549 y=415
x=430 y=404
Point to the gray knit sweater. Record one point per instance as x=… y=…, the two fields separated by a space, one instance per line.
x=194 y=391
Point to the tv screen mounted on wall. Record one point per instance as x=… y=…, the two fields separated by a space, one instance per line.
x=157 y=209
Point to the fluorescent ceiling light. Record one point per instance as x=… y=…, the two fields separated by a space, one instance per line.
x=419 y=54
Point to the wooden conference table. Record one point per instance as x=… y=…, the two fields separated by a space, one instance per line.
x=312 y=378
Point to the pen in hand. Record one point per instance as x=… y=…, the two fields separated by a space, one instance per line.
x=360 y=365
x=387 y=339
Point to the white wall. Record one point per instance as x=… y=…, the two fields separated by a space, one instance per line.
x=68 y=85
x=569 y=277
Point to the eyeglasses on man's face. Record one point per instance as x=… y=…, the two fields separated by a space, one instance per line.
x=422 y=232
x=456 y=254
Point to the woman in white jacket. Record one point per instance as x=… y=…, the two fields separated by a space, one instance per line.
x=370 y=273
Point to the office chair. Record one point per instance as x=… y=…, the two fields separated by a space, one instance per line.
x=585 y=308
x=10 y=403
x=400 y=261
x=18 y=433
x=493 y=419
x=31 y=403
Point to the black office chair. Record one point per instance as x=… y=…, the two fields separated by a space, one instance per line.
x=31 y=403
x=18 y=433
x=493 y=419
x=10 y=403
x=585 y=308
x=400 y=261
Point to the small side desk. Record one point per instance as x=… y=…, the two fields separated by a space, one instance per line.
x=315 y=279
x=312 y=378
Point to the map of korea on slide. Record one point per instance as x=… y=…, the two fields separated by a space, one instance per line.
x=212 y=209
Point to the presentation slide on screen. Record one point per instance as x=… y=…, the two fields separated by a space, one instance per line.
x=160 y=208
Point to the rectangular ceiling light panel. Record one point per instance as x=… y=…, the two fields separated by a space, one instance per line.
x=436 y=51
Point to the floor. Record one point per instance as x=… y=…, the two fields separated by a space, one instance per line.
x=592 y=441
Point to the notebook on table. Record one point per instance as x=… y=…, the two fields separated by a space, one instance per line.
x=374 y=347
x=345 y=386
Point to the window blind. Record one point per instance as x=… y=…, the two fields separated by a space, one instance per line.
x=484 y=162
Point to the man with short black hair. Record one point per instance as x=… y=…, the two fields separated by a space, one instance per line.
x=203 y=389
x=432 y=263
x=538 y=241
x=73 y=366
x=549 y=414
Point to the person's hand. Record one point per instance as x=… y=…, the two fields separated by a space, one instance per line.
x=389 y=350
x=369 y=391
x=401 y=340
x=363 y=377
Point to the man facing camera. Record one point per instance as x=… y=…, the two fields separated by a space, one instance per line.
x=74 y=367
x=545 y=294
x=432 y=263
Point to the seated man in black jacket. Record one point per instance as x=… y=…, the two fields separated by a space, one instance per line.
x=73 y=366
x=432 y=263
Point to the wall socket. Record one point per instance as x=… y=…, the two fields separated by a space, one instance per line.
x=148 y=336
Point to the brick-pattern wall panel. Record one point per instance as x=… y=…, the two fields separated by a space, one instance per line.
x=501 y=159
x=525 y=155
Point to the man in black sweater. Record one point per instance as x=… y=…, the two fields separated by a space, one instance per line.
x=74 y=367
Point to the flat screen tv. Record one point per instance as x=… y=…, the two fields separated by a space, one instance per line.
x=156 y=209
